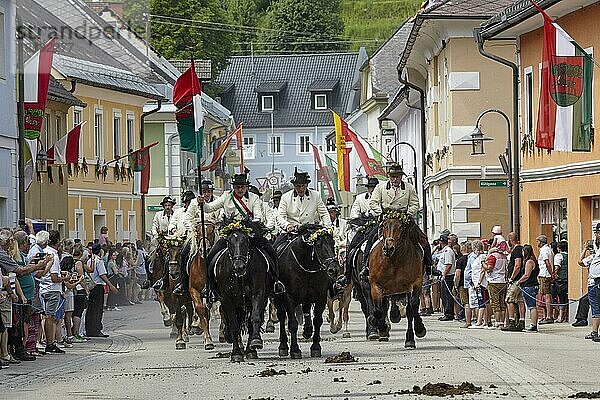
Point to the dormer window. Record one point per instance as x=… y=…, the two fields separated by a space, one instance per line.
x=267 y=103
x=320 y=102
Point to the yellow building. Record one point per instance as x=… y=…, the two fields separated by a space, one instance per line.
x=560 y=194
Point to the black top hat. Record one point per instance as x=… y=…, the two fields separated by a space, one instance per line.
x=395 y=169
x=254 y=189
x=330 y=203
x=300 y=177
x=277 y=194
x=372 y=181
x=207 y=184
x=188 y=195
x=240 y=179
x=168 y=199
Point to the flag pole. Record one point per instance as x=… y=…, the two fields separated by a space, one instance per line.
x=21 y=132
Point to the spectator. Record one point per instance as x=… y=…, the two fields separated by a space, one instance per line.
x=51 y=292
x=81 y=293
x=7 y=294
x=545 y=261
x=448 y=262
x=529 y=284
x=112 y=274
x=461 y=284
x=495 y=271
x=122 y=278
x=583 y=309
x=140 y=271
x=478 y=296
x=435 y=279
x=590 y=259
x=93 y=319
x=67 y=267
x=514 y=296
x=561 y=274
x=103 y=240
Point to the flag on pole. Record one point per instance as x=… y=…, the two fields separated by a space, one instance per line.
x=187 y=97
x=218 y=154
x=37 y=77
x=321 y=171
x=565 y=111
x=330 y=170
x=371 y=159
x=139 y=161
x=66 y=149
x=29 y=156
x=343 y=152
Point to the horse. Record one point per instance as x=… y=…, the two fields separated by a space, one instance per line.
x=307 y=266
x=179 y=306
x=163 y=298
x=197 y=272
x=361 y=287
x=396 y=268
x=340 y=304
x=243 y=282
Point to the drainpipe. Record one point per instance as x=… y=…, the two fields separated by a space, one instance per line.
x=142 y=141
x=516 y=206
x=423 y=139
x=21 y=124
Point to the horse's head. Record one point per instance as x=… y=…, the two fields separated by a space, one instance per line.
x=238 y=245
x=323 y=248
x=209 y=234
x=171 y=248
x=394 y=227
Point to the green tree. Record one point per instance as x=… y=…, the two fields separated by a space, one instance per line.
x=303 y=25
x=182 y=29
x=244 y=14
x=133 y=15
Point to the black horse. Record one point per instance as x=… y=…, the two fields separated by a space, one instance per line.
x=243 y=281
x=307 y=267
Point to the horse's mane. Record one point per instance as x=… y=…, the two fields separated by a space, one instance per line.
x=410 y=230
x=256 y=226
x=308 y=228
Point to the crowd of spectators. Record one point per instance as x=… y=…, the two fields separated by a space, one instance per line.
x=54 y=291
x=492 y=284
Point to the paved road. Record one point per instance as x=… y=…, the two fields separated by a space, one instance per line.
x=139 y=361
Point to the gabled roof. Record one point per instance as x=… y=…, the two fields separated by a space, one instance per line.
x=246 y=74
x=384 y=62
x=271 y=87
x=57 y=92
x=324 y=85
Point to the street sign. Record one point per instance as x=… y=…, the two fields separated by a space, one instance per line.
x=155 y=208
x=262 y=183
x=489 y=183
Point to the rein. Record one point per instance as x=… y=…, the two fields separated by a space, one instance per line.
x=314 y=255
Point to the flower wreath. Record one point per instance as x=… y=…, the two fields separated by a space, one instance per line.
x=233 y=227
x=170 y=241
x=313 y=237
x=397 y=214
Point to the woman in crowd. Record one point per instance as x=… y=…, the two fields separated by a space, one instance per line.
x=529 y=285
x=113 y=276
x=478 y=296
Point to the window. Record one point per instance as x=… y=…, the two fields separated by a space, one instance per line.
x=529 y=101
x=131 y=224
x=79 y=227
x=2 y=47
x=304 y=144
x=320 y=102
x=118 y=226
x=58 y=127
x=330 y=145
x=268 y=103
x=130 y=131
x=275 y=147
x=98 y=133
x=47 y=130
x=116 y=134
x=248 y=140
x=77 y=116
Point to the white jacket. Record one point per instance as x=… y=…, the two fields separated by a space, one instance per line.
x=178 y=224
x=340 y=228
x=361 y=205
x=309 y=209
x=386 y=197
x=227 y=204
x=160 y=223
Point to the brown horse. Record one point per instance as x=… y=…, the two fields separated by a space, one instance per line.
x=163 y=298
x=396 y=268
x=197 y=272
x=338 y=306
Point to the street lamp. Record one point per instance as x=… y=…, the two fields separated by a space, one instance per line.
x=477 y=138
x=41 y=162
x=414 y=158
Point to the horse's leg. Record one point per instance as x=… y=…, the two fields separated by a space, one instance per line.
x=233 y=327
x=270 y=328
x=364 y=289
x=383 y=324
x=203 y=319
x=331 y=314
x=223 y=327
x=307 y=330
x=179 y=322
x=338 y=322
x=295 y=351
x=409 y=343
x=347 y=296
x=315 y=349
x=283 y=338
x=164 y=310
x=258 y=309
x=415 y=300
x=250 y=352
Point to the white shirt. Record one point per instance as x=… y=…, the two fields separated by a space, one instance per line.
x=340 y=227
x=296 y=210
x=231 y=208
x=99 y=270
x=387 y=197
x=545 y=254
x=360 y=205
x=160 y=222
x=476 y=267
x=178 y=223
x=593 y=263
x=46 y=284
x=498 y=274
x=447 y=258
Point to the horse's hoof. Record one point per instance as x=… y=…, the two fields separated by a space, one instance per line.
x=296 y=355
x=167 y=322
x=395 y=316
x=410 y=344
x=284 y=352
x=373 y=336
x=270 y=328
x=209 y=346
x=307 y=334
x=384 y=338
x=237 y=358
x=180 y=346
x=346 y=335
x=251 y=355
x=421 y=332
x=316 y=353
x=256 y=344
x=334 y=329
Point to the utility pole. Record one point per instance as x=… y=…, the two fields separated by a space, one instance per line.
x=21 y=124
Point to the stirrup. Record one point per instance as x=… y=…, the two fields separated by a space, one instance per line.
x=158 y=285
x=278 y=287
x=179 y=290
x=364 y=273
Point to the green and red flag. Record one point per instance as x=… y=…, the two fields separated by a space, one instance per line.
x=218 y=154
x=139 y=162
x=187 y=98
x=565 y=113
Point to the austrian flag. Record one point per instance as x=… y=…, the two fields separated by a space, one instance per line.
x=565 y=114
x=66 y=149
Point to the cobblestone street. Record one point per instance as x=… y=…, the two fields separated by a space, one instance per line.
x=139 y=361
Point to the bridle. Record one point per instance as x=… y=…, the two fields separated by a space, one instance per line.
x=314 y=255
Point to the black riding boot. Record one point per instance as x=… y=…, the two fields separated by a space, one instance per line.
x=371 y=237
x=182 y=286
x=146 y=284
x=163 y=282
x=209 y=291
x=262 y=243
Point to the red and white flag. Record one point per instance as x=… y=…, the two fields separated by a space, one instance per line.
x=66 y=149
x=37 y=77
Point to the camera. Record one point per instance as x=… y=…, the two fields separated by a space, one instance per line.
x=589 y=245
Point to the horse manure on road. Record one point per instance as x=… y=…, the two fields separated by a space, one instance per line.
x=343 y=357
x=444 y=389
x=271 y=372
x=375 y=382
x=220 y=355
x=585 y=395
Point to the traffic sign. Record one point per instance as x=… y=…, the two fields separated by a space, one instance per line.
x=155 y=208
x=490 y=183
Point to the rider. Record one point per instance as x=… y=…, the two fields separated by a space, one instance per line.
x=160 y=225
x=272 y=213
x=339 y=225
x=239 y=204
x=301 y=206
x=361 y=202
x=180 y=227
